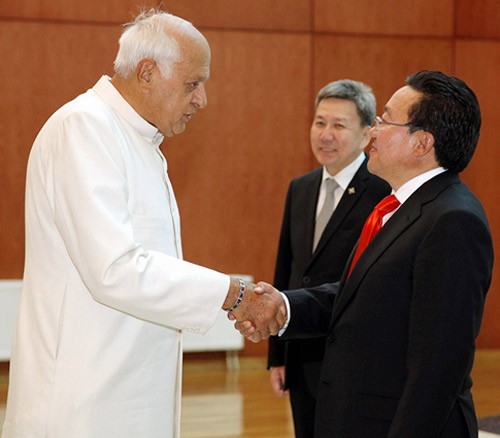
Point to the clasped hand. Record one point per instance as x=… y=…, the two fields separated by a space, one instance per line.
x=261 y=314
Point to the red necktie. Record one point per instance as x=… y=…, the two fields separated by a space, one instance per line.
x=373 y=225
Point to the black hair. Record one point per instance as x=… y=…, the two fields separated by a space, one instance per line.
x=449 y=110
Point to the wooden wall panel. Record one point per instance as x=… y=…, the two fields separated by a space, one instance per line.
x=478 y=63
x=40 y=76
x=255 y=14
x=231 y=168
x=478 y=19
x=120 y=11
x=383 y=63
x=399 y=17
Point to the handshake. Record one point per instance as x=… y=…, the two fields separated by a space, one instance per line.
x=261 y=313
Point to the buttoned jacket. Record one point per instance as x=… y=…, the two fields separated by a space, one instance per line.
x=401 y=330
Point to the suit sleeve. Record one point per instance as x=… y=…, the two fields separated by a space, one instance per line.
x=311 y=311
x=452 y=273
x=276 y=351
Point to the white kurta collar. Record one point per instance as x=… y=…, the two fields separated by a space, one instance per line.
x=109 y=94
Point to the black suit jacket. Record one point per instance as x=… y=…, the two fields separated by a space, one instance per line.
x=401 y=331
x=296 y=267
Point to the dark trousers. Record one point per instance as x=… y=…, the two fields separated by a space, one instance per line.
x=303 y=404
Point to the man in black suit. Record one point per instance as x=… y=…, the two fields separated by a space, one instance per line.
x=402 y=324
x=308 y=256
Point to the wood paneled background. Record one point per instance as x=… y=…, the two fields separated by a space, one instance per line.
x=232 y=166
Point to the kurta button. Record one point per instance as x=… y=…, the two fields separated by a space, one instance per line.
x=331 y=338
x=306 y=280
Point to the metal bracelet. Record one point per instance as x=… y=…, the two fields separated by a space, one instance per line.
x=241 y=294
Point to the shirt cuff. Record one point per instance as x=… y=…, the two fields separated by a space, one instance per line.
x=287 y=321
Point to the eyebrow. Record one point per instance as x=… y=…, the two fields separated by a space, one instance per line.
x=204 y=77
x=197 y=79
x=337 y=119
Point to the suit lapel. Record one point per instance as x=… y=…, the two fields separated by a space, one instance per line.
x=407 y=214
x=349 y=199
x=390 y=232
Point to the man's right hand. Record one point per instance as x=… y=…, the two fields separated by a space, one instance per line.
x=261 y=315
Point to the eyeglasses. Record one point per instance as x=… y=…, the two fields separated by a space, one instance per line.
x=380 y=121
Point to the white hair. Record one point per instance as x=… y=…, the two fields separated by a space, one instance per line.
x=153 y=35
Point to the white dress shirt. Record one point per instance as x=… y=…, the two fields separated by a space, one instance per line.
x=342 y=178
x=410 y=187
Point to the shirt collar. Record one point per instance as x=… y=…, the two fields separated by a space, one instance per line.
x=345 y=176
x=109 y=94
x=411 y=186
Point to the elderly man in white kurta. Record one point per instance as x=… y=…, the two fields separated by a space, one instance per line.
x=106 y=294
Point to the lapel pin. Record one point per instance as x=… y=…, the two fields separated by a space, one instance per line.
x=351 y=190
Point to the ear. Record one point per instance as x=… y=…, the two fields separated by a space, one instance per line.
x=144 y=72
x=366 y=137
x=424 y=143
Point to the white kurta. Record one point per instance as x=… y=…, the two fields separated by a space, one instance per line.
x=97 y=351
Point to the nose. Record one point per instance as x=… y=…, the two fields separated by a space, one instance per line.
x=200 y=97
x=373 y=131
x=326 y=135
